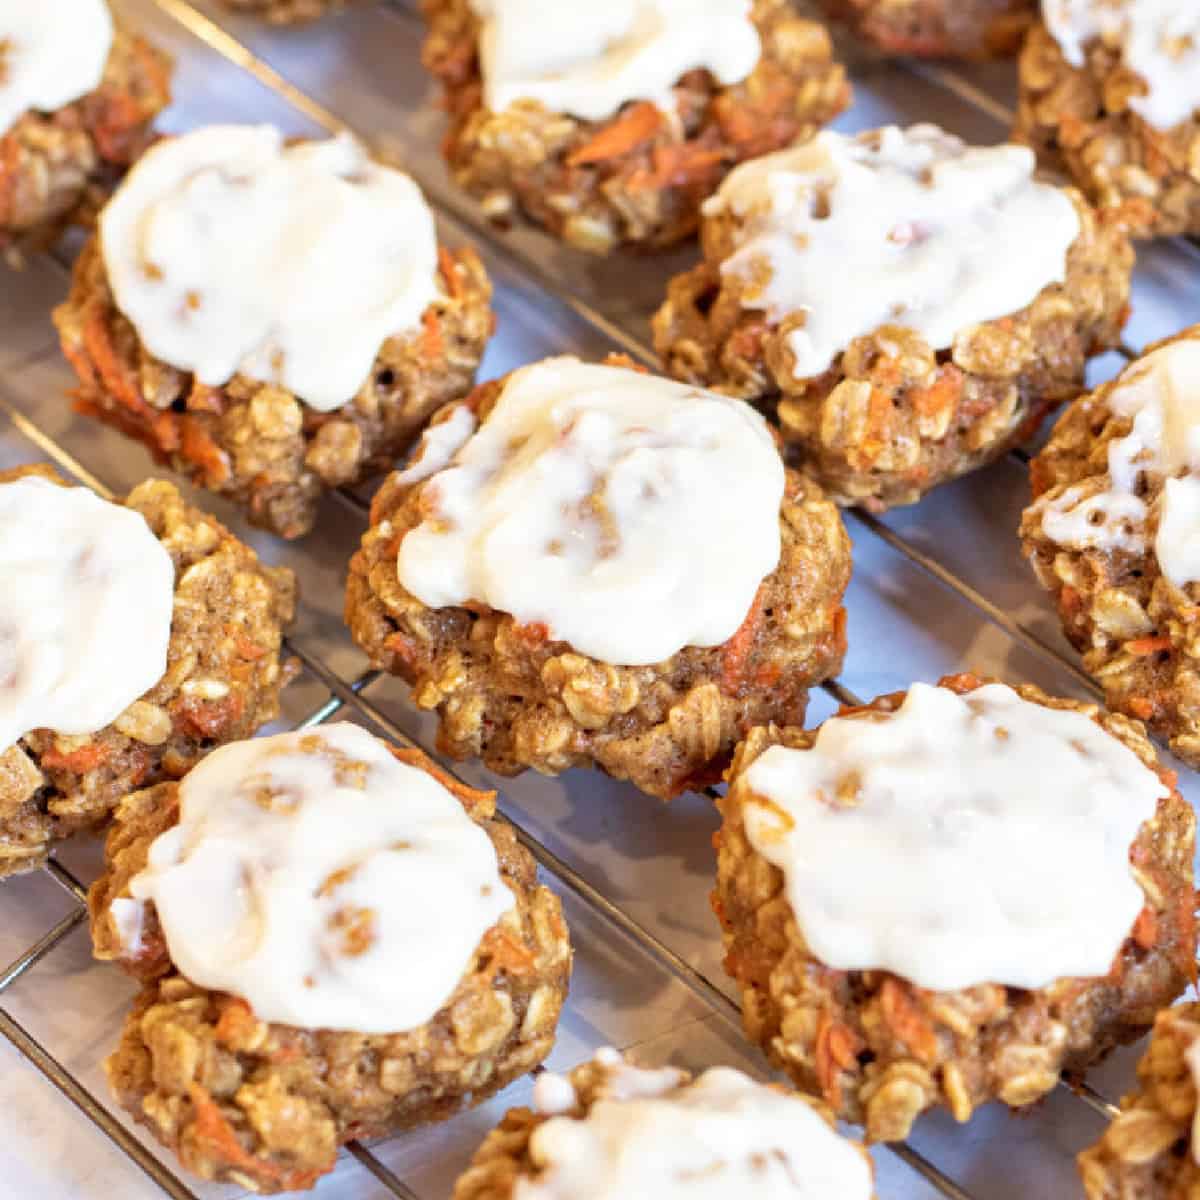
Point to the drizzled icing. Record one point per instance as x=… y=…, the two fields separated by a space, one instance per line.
x=961 y=840
x=1158 y=40
x=85 y=611
x=630 y=515
x=651 y=1133
x=1161 y=393
x=894 y=227
x=438 y=446
x=52 y=52
x=300 y=878
x=589 y=59
x=232 y=252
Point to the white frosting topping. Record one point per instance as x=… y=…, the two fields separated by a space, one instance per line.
x=232 y=252
x=324 y=882
x=52 y=52
x=894 y=227
x=85 y=610
x=961 y=840
x=438 y=446
x=629 y=514
x=1158 y=40
x=1161 y=392
x=589 y=59
x=722 y=1136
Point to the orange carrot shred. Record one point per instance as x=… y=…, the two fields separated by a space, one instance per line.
x=736 y=651
x=636 y=125
x=1149 y=645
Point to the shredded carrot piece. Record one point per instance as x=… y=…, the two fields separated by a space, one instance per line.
x=248 y=648
x=834 y=1051
x=236 y=1021
x=1142 y=707
x=907 y=1021
x=1145 y=928
x=450 y=271
x=198 y=447
x=877 y=432
x=943 y=393
x=736 y=651
x=208 y=718
x=81 y=761
x=506 y=953
x=432 y=344
x=214 y=1134
x=684 y=164
x=110 y=368
x=534 y=634
x=1148 y=645
x=636 y=125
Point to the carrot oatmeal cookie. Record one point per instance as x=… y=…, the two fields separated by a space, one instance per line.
x=951 y=896
x=273 y=319
x=613 y=1131
x=141 y=635
x=1151 y=1151
x=588 y=565
x=1110 y=94
x=971 y=29
x=1112 y=536
x=286 y=12
x=907 y=307
x=609 y=123
x=337 y=941
x=77 y=98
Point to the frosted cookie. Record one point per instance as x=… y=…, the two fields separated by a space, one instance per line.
x=613 y=1131
x=1113 y=531
x=1110 y=94
x=273 y=319
x=286 y=12
x=952 y=896
x=586 y=564
x=77 y=99
x=970 y=29
x=1151 y=1151
x=609 y=123
x=337 y=941
x=906 y=306
x=138 y=636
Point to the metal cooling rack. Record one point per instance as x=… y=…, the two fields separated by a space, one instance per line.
x=936 y=588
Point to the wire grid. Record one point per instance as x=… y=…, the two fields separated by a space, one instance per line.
x=343 y=694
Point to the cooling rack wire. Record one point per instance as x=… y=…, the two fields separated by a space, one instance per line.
x=232 y=42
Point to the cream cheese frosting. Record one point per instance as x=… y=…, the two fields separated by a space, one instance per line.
x=894 y=227
x=961 y=840
x=233 y=252
x=323 y=881
x=589 y=59
x=629 y=514
x=85 y=611
x=52 y=52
